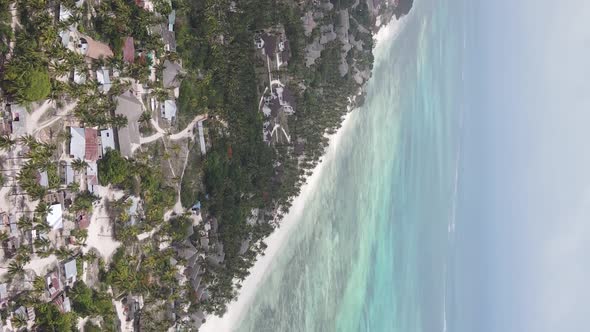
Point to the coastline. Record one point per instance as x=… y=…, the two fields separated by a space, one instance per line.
x=276 y=241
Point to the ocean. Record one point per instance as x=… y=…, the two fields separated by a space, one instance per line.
x=372 y=246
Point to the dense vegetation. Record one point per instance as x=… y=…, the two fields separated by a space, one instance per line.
x=238 y=172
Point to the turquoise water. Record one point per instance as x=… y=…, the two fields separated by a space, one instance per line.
x=371 y=248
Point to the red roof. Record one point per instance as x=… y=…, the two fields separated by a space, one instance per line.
x=91 y=136
x=128 y=50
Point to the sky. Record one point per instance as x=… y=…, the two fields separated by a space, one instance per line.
x=524 y=227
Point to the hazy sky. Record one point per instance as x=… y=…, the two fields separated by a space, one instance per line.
x=525 y=221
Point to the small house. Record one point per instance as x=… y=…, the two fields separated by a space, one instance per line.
x=55 y=217
x=19 y=116
x=91 y=144
x=71 y=272
x=77 y=142
x=104 y=80
x=107 y=140
x=131 y=108
x=201 y=137
x=92 y=175
x=43 y=179
x=3 y=295
x=169 y=110
x=93 y=49
x=128 y=50
x=83 y=220
x=27 y=314
x=171 y=20
x=53 y=284
x=170 y=75
x=69 y=174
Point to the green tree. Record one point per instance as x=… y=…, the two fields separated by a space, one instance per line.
x=6 y=143
x=16 y=268
x=79 y=165
x=82 y=299
x=26 y=83
x=113 y=168
x=49 y=318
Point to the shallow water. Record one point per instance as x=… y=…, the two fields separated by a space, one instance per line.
x=371 y=249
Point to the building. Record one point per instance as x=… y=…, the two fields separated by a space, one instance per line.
x=128 y=50
x=55 y=217
x=275 y=46
x=26 y=313
x=69 y=174
x=171 y=20
x=133 y=211
x=104 y=80
x=170 y=75
x=77 y=142
x=54 y=286
x=169 y=110
x=107 y=140
x=19 y=117
x=91 y=144
x=202 y=137
x=128 y=136
x=43 y=179
x=3 y=295
x=71 y=272
x=168 y=37
x=92 y=175
x=93 y=49
x=79 y=77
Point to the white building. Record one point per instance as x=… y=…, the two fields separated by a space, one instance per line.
x=55 y=217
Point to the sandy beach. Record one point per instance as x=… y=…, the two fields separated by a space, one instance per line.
x=278 y=238
x=275 y=242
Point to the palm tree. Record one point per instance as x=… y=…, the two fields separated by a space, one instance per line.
x=79 y=165
x=81 y=236
x=43 y=209
x=25 y=224
x=42 y=226
x=42 y=243
x=29 y=141
x=19 y=321
x=145 y=117
x=16 y=268
x=6 y=143
x=4 y=236
x=39 y=285
x=63 y=253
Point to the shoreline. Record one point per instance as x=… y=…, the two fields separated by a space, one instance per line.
x=275 y=243
x=277 y=240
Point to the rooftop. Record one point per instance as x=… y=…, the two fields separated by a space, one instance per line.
x=130 y=107
x=128 y=50
x=77 y=142
x=54 y=218
x=70 y=269
x=107 y=140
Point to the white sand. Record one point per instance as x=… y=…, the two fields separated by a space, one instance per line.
x=185 y=133
x=99 y=231
x=275 y=242
x=278 y=238
x=41 y=265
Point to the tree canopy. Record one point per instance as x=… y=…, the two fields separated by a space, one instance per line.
x=113 y=168
x=27 y=84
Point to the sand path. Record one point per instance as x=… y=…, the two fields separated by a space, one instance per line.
x=185 y=133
